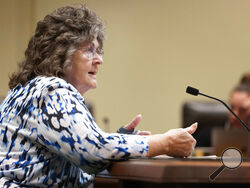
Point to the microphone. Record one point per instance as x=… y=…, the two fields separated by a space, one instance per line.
x=194 y=91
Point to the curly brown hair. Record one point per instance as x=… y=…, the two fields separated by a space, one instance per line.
x=56 y=39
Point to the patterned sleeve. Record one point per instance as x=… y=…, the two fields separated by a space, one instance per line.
x=66 y=127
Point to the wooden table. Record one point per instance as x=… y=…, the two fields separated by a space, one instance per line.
x=188 y=172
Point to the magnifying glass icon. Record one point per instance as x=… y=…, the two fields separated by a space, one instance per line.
x=231 y=158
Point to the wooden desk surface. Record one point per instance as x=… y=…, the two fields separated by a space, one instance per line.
x=177 y=171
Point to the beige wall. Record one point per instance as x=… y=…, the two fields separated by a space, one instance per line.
x=15 y=24
x=153 y=51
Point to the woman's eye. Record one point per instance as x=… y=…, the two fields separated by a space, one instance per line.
x=89 y=50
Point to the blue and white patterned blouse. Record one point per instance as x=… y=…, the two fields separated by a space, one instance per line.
x=49 y=138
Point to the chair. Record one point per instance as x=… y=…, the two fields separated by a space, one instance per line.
x=208 y=115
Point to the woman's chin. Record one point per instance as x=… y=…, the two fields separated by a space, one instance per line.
x=93 y=85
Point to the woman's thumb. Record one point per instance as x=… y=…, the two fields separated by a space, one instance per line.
x=191 y=129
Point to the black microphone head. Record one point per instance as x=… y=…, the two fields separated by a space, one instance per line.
x=192 y=91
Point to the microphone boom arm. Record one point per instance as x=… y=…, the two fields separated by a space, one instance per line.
x=228 y=109
x=194 y=91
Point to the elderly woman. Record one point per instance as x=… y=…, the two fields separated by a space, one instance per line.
x=48 y=136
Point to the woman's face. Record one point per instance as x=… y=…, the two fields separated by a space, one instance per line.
x=85 y=63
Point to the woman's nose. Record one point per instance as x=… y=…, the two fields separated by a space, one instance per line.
x=98 y=59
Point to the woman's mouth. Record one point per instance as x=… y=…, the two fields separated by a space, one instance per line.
x=92 y=74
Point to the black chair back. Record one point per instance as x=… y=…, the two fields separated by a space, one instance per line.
x=208 y=115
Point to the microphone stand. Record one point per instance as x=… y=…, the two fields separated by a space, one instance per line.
x=227 y=108
x=194 y=91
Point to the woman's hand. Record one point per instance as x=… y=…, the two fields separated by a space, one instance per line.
x=134 y=123
x=175 y=142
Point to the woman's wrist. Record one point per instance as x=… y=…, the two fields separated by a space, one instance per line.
x=157 y=145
